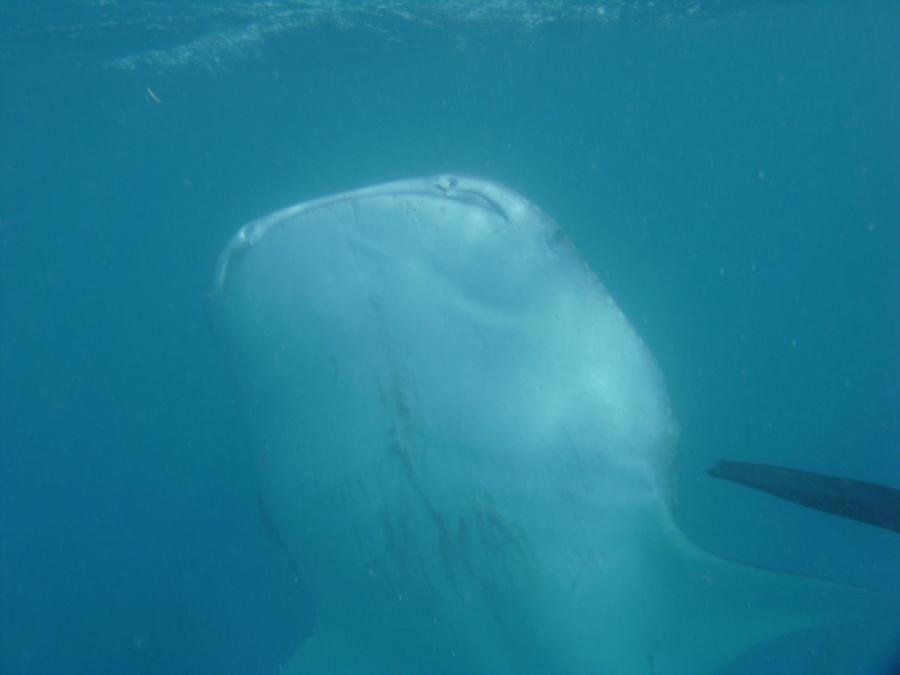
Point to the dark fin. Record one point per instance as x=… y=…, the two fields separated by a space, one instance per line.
x=870 y=503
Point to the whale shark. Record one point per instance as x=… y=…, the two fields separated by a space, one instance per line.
x=469 y=452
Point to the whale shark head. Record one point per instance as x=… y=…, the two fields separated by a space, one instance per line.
x=468 y=449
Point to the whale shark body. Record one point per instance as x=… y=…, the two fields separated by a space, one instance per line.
x=468 y=450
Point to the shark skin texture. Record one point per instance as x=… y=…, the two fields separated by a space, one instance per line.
x=468 y=450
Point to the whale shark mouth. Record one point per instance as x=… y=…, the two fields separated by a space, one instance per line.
x=467 y=448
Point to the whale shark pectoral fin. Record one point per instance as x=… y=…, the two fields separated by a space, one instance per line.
x=697 y=614
x=871 y=503
x=713 y=612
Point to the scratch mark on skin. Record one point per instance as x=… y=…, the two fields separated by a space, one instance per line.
x=577 y=578
x=504 y=543
x=463 y=536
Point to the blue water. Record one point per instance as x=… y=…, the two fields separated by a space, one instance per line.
x=730 y=170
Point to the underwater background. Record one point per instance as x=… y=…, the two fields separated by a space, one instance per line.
x=730 y=170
